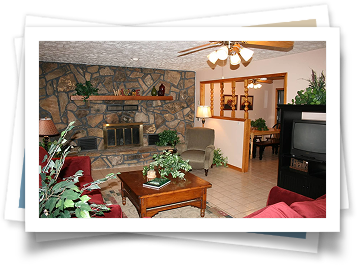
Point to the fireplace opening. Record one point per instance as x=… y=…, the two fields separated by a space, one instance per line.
x=123 y=134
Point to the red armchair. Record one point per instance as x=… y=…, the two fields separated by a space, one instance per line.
x=70 y=167
x=283 y=203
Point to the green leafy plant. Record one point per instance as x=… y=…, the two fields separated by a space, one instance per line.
x=219 y=159
x=259 y=124
x=168 y=137
x=64 y=199
x=86 y=90
x=315 y=93
x=168 y=163
x=59 y=149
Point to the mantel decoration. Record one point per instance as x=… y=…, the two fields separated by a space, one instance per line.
x=315 y=93
x=153 y=91
x=64 y=199
x=161 y=90
x=86 y=90
x=168 y=163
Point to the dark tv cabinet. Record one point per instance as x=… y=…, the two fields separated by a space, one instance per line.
x=312 y=183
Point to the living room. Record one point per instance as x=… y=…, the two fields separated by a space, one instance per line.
x=57 y=87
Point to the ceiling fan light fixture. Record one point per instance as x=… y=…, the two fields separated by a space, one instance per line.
x=235 y=60
x=222 y=53
x=250 y=85
x=212 y=57
x=256 y=86
x=246 y=54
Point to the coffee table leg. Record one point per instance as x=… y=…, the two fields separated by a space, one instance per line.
x=142 y=208
x=203 y=203
x=123 y=198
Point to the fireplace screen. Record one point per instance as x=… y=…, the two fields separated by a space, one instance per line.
x=123 y=134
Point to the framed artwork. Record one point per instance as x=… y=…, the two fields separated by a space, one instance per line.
x=227 y=99
x=250 y=101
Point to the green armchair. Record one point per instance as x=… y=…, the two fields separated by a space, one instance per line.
x=199 y=148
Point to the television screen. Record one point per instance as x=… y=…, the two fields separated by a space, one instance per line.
x=309 y=139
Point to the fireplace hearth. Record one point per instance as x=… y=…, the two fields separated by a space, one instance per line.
x=122 y=134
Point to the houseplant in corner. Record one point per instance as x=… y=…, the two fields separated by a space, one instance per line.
x=64 y=199
x=168 y=163
x=219 y=159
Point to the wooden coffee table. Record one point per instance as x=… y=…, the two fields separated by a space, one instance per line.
x=177 y=193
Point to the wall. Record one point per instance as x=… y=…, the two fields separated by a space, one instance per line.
x=298 y=67
x=57 y=84
x=229 y=138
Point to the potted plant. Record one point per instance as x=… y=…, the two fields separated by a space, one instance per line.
x=64 y=199
x=168 y=137
x=168 y=163
x=315 y=93
x=259 y=124
x=219 y=159
x=86 y=90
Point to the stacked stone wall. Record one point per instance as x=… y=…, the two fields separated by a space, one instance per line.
x=57 y=83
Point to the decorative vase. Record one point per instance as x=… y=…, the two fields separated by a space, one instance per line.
x=154 y=91
x=161 y=90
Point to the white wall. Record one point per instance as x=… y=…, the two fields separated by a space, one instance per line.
x=229 y=138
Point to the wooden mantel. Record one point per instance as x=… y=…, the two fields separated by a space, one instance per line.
x=123 y=98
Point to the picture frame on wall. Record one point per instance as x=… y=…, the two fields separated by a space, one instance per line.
x=227 y=102
x=250 y=101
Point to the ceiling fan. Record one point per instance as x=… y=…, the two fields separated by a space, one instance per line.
x=236 y=49
x=256 y=82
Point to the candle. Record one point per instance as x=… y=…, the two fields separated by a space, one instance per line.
x=151 y=174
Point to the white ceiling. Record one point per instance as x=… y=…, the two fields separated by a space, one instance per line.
x=150 y=54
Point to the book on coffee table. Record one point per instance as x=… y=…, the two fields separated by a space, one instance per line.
x=156 y=183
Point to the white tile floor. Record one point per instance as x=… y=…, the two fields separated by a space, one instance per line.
x=238 y=194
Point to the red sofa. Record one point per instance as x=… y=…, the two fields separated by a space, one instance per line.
x=283 y=203
x=70 y=167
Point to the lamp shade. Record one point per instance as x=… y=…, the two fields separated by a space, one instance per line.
x=203 y=112
x=212 y=57
x=246 y=54
x=222 y=53
x=47 y=127
x=235 y=60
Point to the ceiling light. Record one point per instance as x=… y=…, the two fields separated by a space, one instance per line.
x=246 y=54
x=212 y=57
x=235 y=60
x=222 y=53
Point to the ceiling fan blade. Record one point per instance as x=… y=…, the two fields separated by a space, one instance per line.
x=272 y=45
x=204 y=48
x=198 y=47
x=265 y=81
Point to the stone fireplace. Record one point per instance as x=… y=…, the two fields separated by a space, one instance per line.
x=122 y=134
x=57 y=84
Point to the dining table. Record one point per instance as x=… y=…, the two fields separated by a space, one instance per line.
x=254 y=133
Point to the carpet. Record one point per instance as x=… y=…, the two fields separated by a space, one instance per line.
x=129 y=210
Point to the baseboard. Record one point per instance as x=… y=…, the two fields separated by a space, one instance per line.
x=235 y=168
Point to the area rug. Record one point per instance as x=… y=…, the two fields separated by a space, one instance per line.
x=129 y=210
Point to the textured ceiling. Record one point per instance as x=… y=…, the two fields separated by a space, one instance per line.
x=150 y=54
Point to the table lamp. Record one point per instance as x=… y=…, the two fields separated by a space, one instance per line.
x=203 y=112
x=46 y=129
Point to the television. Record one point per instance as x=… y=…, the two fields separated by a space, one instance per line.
x=308 y=141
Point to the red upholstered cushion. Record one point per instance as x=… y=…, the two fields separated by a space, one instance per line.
x=278 y=210
x=311 y=209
